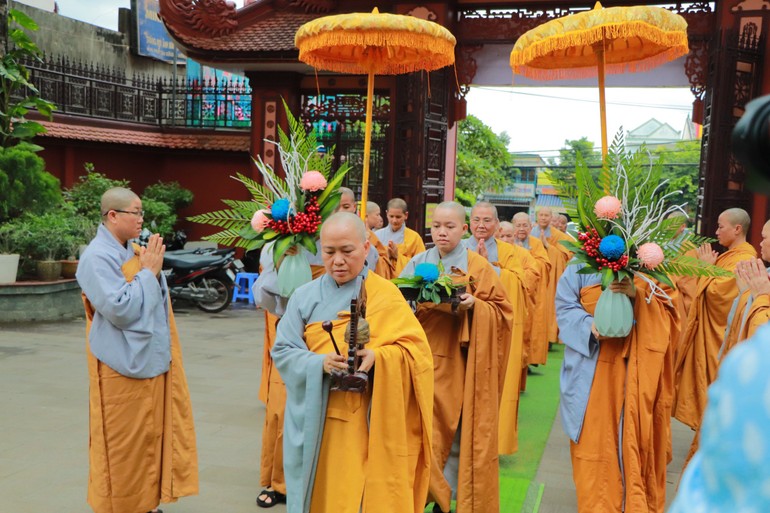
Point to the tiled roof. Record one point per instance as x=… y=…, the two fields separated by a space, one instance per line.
x=549 y=200
x=155 y=138
x=272 y=34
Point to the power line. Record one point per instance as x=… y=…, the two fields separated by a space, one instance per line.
x=626 y=104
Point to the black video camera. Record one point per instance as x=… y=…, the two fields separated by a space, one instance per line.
x=751 y=143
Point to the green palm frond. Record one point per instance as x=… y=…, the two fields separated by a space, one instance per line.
x=263 y=196
x=228 y=237
x=228 y=219
x=245 y=207
x=690 y=266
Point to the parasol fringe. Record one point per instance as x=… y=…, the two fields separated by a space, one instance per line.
x=431 y=53
x=674 y=42
x=592 y=71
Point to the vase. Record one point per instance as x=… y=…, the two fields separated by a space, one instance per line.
x=614 y=314
x=69 y=268
x=293 y=273
x=48 y=270
x=9 y=267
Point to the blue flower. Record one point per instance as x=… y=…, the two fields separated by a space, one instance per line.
x=280 y=209
x=427 y=271
x=612 y=247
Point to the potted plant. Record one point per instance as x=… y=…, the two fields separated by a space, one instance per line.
x=46 y=240
x=80 y=230
x=9 y=257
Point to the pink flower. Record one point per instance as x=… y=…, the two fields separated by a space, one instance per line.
x=260 y=220
x=650 y=254
x=608 y=207
x=312 y=181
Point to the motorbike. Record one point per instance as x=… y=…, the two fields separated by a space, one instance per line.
x=206 y=278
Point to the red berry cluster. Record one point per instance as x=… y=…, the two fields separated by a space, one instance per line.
x=617 y=265
x=307 y=221
x=591 y=241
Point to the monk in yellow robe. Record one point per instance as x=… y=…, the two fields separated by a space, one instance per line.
x=616 y=396
x=142 y=447
x=470 y=354
x=532 y=270
x=505 y=259
x=558 y=255
x=697 y=354
x=537 y=343
x=401 y=242
x=348 y=452
x=373 y=216
x=750 y=310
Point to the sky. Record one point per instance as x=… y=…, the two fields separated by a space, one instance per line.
x=538 y=119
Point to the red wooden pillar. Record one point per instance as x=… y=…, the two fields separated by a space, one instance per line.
x=269 y=91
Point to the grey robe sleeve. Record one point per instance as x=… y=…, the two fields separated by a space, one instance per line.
x=574 y=322
x=124 y=304
x=306 y=398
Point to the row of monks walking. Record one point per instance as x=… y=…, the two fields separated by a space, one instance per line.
x=461 y=370
x=442 y=400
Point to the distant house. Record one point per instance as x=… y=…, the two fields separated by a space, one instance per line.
x=519 y=195
x=548 y=194
x=651 y=133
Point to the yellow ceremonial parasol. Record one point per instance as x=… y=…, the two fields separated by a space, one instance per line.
x=374 y=43
x=599 y=41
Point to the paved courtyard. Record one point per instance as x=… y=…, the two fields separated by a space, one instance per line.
x=44 y=421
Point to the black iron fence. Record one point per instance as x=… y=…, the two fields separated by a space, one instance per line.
x=107 y=93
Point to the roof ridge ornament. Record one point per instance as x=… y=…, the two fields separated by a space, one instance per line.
x=210 y=17
x=315 y=6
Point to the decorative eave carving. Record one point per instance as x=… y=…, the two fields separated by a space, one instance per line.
x=210 y=18
x=314 y=6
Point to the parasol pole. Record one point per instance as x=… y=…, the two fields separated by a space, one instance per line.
x=367 y=144
x=599 y=49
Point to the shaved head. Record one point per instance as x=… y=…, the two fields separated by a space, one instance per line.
x=738 y=217
x=506 y=225
x=372 y=207
x=397 y=203
x=454 y=207
x=347 y=201
x=485 y=204
x=521 y=216
x=348 y=221
x=117 y=198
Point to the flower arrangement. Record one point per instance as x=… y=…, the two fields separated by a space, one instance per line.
x=626 y=227
x=286 y=211
x=626 y=230
x=431 y=283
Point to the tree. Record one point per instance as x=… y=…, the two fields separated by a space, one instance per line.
x=483 y=160
x=25 y=185
x=563 y=173
x=681 y=166
x=17 y=94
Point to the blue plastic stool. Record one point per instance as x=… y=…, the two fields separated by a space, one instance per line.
x=243 y=284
